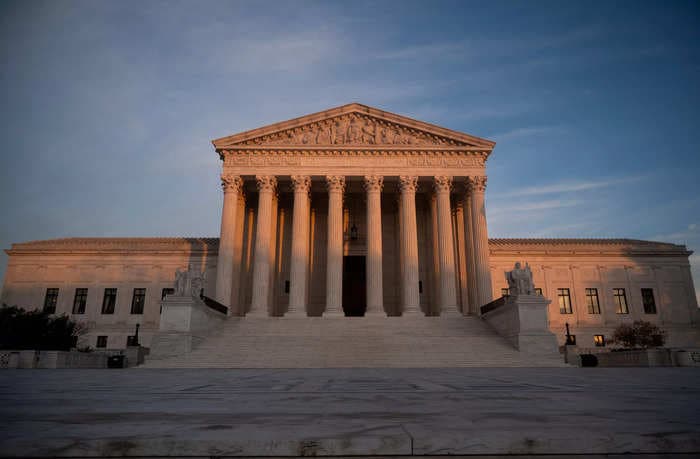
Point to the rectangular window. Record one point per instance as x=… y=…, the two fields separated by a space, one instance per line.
x=648 y=301
x=592 y=301
x=538 y=291
x=165 y=292
x=131 y=340
x=138 y=300
x=50 y=300
x=564 y=301
x=620 y=301
x=599 y=340
x=80 y=301
x=504 y=292
x=420 y=286
x=286 y=286
x=101 y=341
x=109 y=301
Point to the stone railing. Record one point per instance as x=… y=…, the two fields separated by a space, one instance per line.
x=215 y=305
x=497 y=303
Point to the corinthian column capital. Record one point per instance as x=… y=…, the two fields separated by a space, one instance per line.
x=373 y=183
x=408 y=183
x=477 y=183
x=301 y=183
x=231 y=182
x=443 y=183
x=266 y=182
x=335 y=183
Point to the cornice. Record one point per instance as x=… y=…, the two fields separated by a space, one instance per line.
x=586 y=247
x=496 y=245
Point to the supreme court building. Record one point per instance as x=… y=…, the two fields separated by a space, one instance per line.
x=354 y=211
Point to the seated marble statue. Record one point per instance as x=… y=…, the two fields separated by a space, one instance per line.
x=190 y=282
x=520 y=280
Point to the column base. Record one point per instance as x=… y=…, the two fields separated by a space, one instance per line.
x=450 y=312
x=333 y=313
x=258 y=315
x=375 y=314
x=412 y=313
x=295 y=314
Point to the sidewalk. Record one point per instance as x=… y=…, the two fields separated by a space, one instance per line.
x=473 y=411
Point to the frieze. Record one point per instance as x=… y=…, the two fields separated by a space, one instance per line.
x=351 y=129
x=310 y=157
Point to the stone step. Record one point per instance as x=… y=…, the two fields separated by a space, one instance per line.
x=345 y=342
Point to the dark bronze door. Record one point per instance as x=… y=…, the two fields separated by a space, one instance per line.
x=354 y=286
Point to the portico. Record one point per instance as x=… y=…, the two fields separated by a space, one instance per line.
x=301 y=195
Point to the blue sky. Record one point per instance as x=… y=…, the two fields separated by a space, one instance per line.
x=108 y=108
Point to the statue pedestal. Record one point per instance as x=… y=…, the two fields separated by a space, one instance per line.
x=184 y=322
x=523 y=321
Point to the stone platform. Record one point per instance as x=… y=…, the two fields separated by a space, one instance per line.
x=342 y=412
x=355 y=342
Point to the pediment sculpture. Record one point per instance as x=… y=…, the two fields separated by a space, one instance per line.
x=351 y=129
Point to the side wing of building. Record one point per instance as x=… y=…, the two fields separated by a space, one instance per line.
x=112 y=284
x=596 y=285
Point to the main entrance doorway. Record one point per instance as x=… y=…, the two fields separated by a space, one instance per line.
x=354 y=286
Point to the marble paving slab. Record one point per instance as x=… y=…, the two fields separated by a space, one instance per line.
x=349 y=412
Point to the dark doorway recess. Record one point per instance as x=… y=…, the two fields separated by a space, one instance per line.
x=354 y=285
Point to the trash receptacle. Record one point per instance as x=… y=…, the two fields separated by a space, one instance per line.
x=589 y=360
x=115 y=361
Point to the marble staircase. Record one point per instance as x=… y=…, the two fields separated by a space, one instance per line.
x=344 y=342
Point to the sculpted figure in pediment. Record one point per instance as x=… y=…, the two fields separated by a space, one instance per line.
x=339 y=129
x=350 y=129
x=354 y=134
x=368 y=132
x=323 y=136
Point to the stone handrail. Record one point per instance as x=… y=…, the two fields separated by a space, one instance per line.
x=215 y=305
x=497 y=303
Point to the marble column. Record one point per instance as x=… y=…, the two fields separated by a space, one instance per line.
x=375 y=295
x=469 y=249
x=334 y=263
x=231 y=185
x=461 y=253
x=448 y=292
x=298 y=279
x=435 y=277
x=484 y=289
x=410 y=295
x=262 y=264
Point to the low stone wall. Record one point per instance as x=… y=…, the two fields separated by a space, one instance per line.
x=663 y=357
x=133 y=355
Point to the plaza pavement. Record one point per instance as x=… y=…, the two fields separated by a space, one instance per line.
x=469 y=411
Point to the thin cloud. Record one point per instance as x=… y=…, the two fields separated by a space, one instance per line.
x=568 y=187
x=533 y=206
x=528 y=132
x=689 y=233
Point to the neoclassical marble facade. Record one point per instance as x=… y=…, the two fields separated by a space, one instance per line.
x=357 y=211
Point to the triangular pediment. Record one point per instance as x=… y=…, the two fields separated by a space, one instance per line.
x=352 y=125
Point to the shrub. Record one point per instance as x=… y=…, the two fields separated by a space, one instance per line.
x=640 y=334
x=38 y=330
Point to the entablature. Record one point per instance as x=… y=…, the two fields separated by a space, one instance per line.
x=355 y=161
